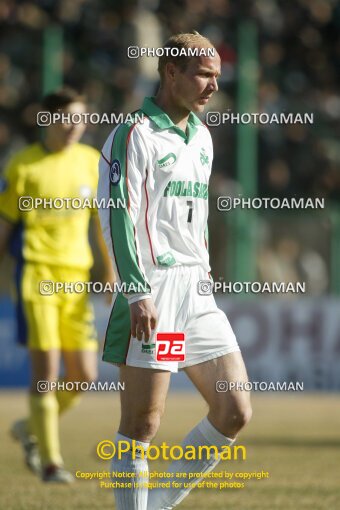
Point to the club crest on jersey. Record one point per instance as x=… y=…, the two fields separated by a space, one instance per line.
x=115 y=172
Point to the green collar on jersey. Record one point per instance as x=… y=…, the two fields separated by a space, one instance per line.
x=163 y=121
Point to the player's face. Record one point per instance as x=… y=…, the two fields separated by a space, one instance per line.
x=194 y=86
x=65 y=134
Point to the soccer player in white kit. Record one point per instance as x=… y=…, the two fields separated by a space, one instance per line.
x=161 y=167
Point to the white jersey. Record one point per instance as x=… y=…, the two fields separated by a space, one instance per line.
x=161 y=174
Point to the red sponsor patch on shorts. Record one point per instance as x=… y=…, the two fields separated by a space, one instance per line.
x=170 y=347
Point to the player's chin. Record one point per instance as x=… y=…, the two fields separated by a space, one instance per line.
x=198 y=106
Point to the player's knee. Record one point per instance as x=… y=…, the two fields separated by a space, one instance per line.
x=46 y=378
x=84 y=374
x=89 y=375
x=242 y=415
x=146 y=426
x=233 y=418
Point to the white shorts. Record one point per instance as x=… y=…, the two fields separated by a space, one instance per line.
x=181 y=309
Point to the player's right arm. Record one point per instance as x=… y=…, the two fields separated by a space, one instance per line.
x=121 y=176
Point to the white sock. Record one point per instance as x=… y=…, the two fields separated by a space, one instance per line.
x=135 y=498
x=204 y=434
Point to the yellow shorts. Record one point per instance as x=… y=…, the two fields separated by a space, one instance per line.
x=62 y=320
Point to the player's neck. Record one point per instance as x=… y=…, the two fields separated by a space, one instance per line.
x=52 y=145
x=177 y=114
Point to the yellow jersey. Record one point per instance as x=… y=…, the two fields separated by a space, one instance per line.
x=56 y=231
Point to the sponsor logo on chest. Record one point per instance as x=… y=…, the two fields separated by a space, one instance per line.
x=193 y=189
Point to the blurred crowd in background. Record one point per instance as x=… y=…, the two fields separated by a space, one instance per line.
x=299 y=71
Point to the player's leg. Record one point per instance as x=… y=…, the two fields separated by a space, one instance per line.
x=44 y=405
x=146 y=380
x=78 y=341
x=142 y=405
x=228 y=413
x=39 y=433
x=80 y=366
x=212 y=354
x=42 y=318
x=44 y=342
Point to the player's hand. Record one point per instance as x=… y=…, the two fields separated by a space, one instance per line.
x=143 y=315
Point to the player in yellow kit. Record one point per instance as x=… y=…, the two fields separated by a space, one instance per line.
x=53 y=247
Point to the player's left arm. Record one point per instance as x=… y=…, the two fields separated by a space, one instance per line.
x=108 y=273
x=122 y=168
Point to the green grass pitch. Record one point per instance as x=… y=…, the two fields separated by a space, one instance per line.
x=293 y=437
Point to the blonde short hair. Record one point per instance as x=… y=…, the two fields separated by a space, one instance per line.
x=179 y=41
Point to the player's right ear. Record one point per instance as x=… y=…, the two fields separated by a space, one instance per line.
x=170 y=71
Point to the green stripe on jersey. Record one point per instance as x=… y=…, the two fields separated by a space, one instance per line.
x=122 y=228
